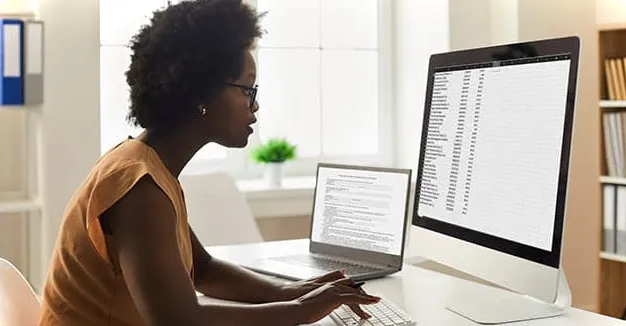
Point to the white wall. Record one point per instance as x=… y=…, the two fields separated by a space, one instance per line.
x=479 y=23
x=470 y=24
x=610 y=11
x=420 y=29
x=503 y=21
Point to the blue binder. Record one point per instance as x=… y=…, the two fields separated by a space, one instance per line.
x=11 y=62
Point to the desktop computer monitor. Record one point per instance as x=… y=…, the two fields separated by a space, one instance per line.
x=493 y=166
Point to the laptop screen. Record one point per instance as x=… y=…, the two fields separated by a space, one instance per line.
x=361 y=209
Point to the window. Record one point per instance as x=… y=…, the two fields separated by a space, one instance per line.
x=323 y=82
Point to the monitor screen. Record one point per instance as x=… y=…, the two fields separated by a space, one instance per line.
x=360 y=208
x=495 y=147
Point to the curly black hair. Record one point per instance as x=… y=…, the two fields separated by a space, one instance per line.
x=184 y=57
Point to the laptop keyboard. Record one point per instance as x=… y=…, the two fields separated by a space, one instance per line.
x=327 y=264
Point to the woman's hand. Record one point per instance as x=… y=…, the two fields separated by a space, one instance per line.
x=321 y=301
x=299 y=289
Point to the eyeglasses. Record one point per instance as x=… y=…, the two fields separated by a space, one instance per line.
x=249 y=91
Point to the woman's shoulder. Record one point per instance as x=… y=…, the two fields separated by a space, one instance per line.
x=128 y=162
x=124 y=159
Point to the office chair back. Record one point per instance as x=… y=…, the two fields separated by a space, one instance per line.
x=218 y=212
x=19 y=305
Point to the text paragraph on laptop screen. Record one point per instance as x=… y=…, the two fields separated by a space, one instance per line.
x=360 y=209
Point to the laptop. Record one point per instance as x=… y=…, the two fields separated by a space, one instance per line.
x=358 y=224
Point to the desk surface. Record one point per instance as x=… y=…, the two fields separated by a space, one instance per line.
x=420 y=292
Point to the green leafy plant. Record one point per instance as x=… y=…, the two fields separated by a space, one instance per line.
x=275 y=150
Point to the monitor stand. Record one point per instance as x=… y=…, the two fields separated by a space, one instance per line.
x=487 y=305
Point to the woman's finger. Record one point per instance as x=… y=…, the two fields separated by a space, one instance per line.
x=356 y=299
x=351 y=290
x=357 y=310
x=348 y=286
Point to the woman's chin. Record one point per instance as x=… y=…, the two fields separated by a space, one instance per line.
x=239 y=143
x=243 y=144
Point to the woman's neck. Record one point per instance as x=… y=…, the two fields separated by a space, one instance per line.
x=175 y=148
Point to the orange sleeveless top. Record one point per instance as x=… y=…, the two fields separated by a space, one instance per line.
x=83 y=287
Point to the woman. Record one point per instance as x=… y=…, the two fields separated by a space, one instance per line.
x=125 y=254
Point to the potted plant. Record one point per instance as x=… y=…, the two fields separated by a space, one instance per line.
x=274 y=153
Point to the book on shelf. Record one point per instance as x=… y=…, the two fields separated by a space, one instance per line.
x=615 y=77
x=614 y=219
x=614 y=142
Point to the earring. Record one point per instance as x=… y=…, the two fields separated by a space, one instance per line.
x=203 y=110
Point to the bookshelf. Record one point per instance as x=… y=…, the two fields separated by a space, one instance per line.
x=613 y=257
x=612 y=111
x=612 y=180
x=612 y=104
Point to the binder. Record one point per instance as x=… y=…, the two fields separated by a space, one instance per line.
x=610 y=87
x=619 y=141
x=610 y=201
x=615 y=143
x=620 y=215
x=33 y=53
x=611 y=160
x=12 y=63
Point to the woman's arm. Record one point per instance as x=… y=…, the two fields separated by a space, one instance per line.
x=220 y=279
x=143 y=227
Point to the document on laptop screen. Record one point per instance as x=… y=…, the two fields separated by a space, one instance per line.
x=360 y=209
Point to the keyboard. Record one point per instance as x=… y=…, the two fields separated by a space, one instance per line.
x=384 y=313
x=326 y=264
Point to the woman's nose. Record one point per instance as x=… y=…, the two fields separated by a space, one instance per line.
x=255 y=107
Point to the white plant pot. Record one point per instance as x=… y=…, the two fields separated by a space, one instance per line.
x=274 y=175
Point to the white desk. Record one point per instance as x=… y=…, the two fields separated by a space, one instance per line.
x=420 y=292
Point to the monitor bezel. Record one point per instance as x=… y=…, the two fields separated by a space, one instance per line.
x=547 y=47
x=379 y=258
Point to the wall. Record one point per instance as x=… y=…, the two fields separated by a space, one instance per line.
x=420 y=29
x=470 y=24
x=479 y=23
x=503 y=21
x=610 y=11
